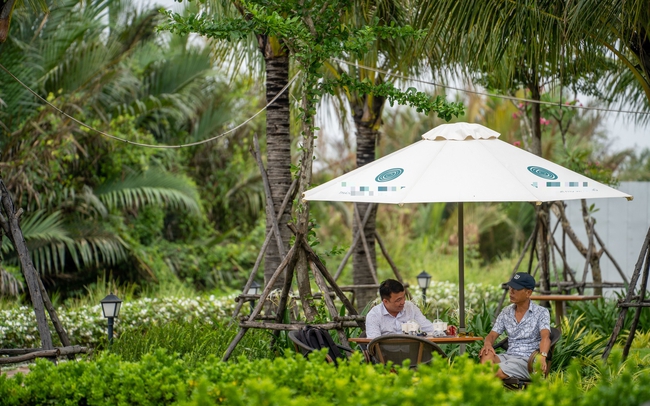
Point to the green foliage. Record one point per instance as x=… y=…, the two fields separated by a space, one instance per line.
x=314 y=34
x=600 y=315
x=420 y=101
x=578 y=344
x=152 y=187
x=93 y=204
x=162 y=377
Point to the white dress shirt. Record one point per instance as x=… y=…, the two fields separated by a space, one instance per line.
x=379 y=322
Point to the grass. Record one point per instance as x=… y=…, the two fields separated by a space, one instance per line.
x=193 y=341
x=420 y=255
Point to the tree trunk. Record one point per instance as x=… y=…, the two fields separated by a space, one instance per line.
x=594 y=255
x=13 y=231
x=367 y=118
x=306 y=164
x=278 y=152
x=6 y=9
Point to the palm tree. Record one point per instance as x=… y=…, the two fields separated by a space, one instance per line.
x=393 y=55
x=7 y=9
x=274 y=53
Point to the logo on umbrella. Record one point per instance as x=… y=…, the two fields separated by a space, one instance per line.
x=389 y=174
x=542 y=173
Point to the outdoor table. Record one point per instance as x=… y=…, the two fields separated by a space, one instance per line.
x=559 y=304
x=437 y=340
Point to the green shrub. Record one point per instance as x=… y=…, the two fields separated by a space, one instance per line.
x=163 y=378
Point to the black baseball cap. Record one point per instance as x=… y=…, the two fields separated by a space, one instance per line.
x=522 y=280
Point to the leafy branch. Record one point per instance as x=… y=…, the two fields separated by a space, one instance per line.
x=422 y=102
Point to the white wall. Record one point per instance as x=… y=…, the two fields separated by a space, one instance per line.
x=622 y=226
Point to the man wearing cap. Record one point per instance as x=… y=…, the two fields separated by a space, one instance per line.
x=528 y=326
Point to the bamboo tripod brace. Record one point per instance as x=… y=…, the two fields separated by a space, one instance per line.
x=322 y=277
x=9 y=223
x=631 y=299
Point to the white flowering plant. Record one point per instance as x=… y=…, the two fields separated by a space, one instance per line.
x=87 y=326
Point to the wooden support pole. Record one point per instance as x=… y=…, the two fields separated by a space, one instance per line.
x=296 y=326
x=329 y=303
x=328 y=277
x=355 y=241
x=628 y=297
x=58 y=326
x=366 y=247
x=260 y=303
x=567 y=268
x=637 y=315
x=398 y=274
x=267 y=240
x=284 y=297
x=26 y=354
x=611 y=258
x=270 y=213
x=13 y=231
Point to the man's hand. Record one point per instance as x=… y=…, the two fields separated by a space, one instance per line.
x=544 y=365
x=487 y=350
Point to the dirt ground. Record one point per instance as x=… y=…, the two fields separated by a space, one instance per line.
x=13 y=371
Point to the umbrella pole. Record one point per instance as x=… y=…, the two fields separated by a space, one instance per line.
x=461 y=275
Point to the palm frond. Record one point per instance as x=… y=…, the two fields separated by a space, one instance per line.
x=9 y=285
x=151 y=187
x=95 y=246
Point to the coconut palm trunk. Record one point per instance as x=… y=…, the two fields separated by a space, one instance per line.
x=367 y=119
x=278 y=148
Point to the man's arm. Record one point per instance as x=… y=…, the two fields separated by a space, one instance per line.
x=425 y=324
x=544 y=348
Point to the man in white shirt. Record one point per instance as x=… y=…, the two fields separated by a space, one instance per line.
x=388 y=316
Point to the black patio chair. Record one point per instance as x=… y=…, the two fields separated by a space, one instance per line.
x=399 y=347
x=518 y=383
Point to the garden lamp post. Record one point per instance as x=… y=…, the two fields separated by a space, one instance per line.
x=423 y=280
x=111 y=307
x=254 y=290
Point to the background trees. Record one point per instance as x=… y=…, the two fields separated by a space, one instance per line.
x=96 y=206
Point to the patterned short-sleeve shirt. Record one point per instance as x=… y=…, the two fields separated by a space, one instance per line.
x=523 y=337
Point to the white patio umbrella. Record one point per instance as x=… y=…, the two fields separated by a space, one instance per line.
x=460 y=162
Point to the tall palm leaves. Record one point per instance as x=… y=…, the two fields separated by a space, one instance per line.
x=622 y=28
x=79 y=190
x=53 y=237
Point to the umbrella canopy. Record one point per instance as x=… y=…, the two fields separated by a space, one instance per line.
x=460 y=162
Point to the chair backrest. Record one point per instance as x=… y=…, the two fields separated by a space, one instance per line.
x=399 y=347
x=310 y=338
x=555 y=337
